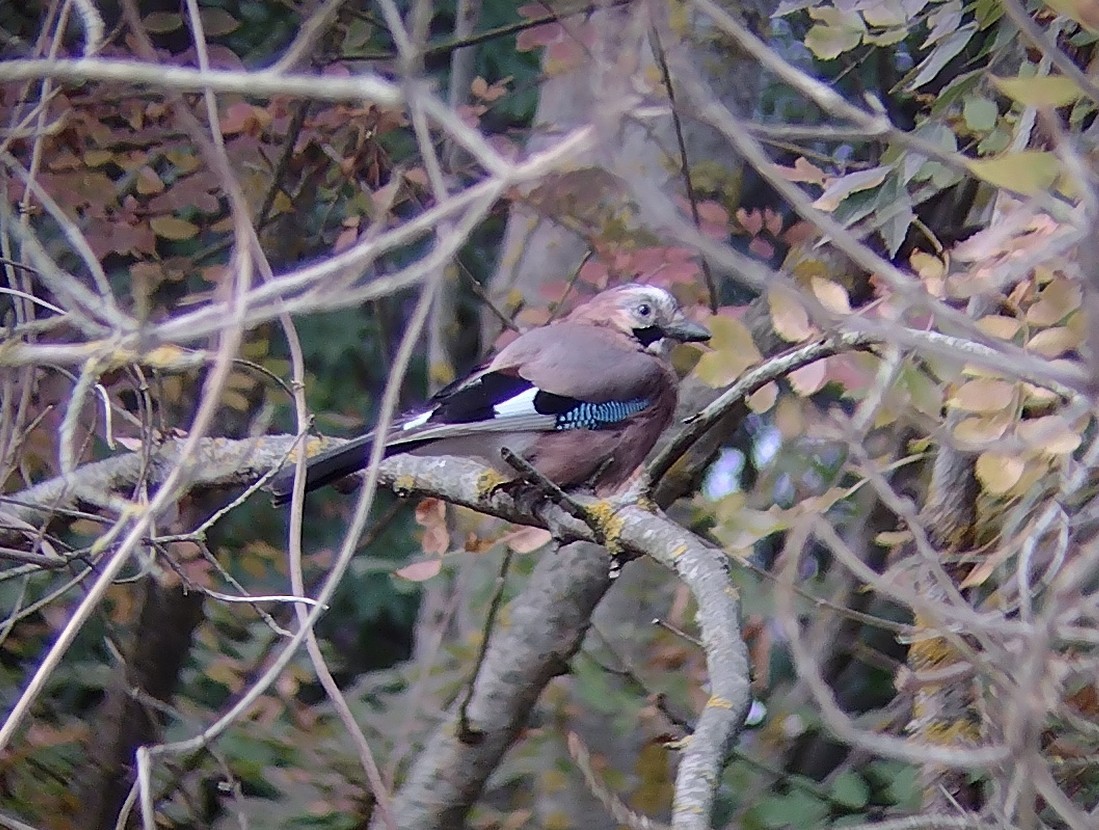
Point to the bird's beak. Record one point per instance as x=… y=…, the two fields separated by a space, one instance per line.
x=687 y=331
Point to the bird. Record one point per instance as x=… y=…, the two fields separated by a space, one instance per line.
x=582 y=399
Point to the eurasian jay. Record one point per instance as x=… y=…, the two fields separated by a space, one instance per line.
x=582 y=399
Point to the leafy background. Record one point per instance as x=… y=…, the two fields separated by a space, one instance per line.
x=977 y=112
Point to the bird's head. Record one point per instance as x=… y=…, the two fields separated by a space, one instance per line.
x=646 y=313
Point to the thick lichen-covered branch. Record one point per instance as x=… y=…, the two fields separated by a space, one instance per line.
x=642 y=531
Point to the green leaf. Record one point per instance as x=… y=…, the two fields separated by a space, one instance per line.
x=1028 y=172
x=980 y=114
x=885 y=13
x=894 y=214
x=159 y=23
x=850 y=790
x=944 y=51
x=1048 y=91
x=956 y=90
x=839 y=189
x=795 y=809
x=829 y=42
x=218 y=22
x=987 y=12
x=887 y=38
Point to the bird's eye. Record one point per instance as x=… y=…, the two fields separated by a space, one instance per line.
x=644 y=310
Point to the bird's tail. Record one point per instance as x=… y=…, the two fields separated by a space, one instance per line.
x=325 y=468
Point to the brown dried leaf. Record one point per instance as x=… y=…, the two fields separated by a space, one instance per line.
x=802 y=171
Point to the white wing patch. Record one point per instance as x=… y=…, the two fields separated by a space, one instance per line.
x=418 y=421
x=521 y=404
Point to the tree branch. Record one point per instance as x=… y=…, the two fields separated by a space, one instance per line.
x=703 y=568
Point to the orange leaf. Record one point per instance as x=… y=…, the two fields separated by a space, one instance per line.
x=527 y=539
x=809 y=379
x=420 y=571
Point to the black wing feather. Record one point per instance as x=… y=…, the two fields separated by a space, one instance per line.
x=462 y=403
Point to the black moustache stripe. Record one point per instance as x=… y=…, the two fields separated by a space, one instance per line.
x=648 y=335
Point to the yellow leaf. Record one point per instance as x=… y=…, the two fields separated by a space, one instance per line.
x=148 y=182
x=999 y=473
x=1039 y=395
x=183 y=160
x=789 y=317
x=996 y=325
x=1028 y=172
x=733 y=352
x=172 y=227
x=97 y=158
x=980 y=430
x=927 y=265
x=282 y=203
x=1053 y=342
x=1048 y=91
x=841 y=187
x=1084 y=12
x=1057 y=300
x=892 y=538
x=832 y=295
x=983 y=395
x=1050 y=434
x=235 y=400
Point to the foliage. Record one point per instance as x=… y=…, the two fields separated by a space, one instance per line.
x=943 y=217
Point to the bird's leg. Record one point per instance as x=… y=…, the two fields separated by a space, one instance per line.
x=539 y=486
x=525 y=489
x=602 y=516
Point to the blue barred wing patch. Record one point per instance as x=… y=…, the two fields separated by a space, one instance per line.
x=586 y=415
